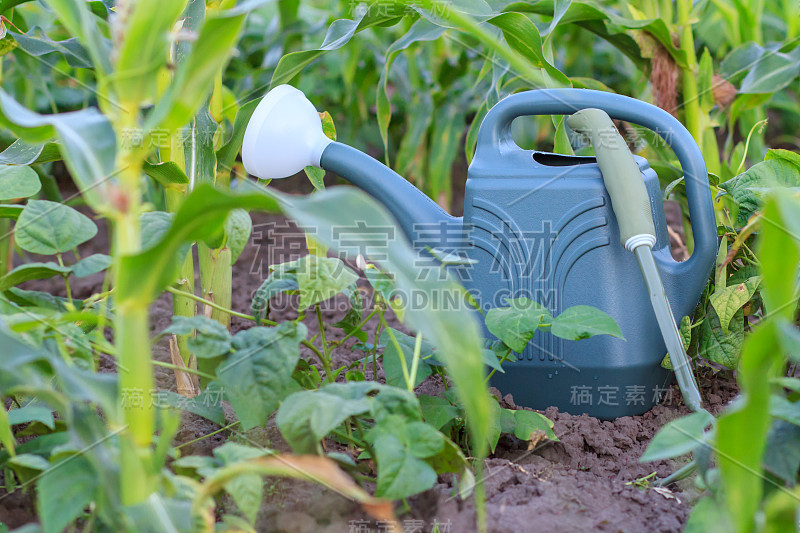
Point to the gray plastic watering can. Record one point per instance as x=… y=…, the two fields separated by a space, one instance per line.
x=538 y=225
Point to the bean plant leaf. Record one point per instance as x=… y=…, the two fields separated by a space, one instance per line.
x=32 y=413
x=237 y=232
x=64 y=490
x=276 y=283
x=30 y=271
x=748 y=188
x=319 y=278
x=257 y=376
x=583 y=321
x=516 y=325
x=23 y=153
x=732 y=298
x=392 y=362
x=90 y=265
x=86 y=140
x=718 y=346
x=307 y=417
x=678 y=437
x=154 y=225
x=400 y=472
x=437 y=411
x=211 y=339
x=18 y=181
x=526 y=423
x=49 y=228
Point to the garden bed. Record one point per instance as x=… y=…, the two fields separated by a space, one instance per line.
x=583 y=482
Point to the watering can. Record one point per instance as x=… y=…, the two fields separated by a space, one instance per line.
x=537 y=225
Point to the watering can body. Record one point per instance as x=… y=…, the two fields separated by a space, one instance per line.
x=541 y=226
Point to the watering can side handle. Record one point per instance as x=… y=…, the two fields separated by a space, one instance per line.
x=494 y=139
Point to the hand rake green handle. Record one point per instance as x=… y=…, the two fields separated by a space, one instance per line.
x=621 y=175
x=631 y=205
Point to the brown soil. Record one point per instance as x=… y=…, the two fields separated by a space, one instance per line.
x=580 y=483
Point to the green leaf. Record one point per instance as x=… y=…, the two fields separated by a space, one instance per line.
x=237 y=232
x=748 y=188
x=785 y=155
x=306 y=417
x=30 y=461
x=49 y=228
x=708 y=516
x=516 y=325
x=81 y=23
x=678 y=437
x=339 y=34
x=154 y=225
x=400 y=473
x=730 y=299
x=36 y=42
x=319 y=278
x=275 y=284
x=194 y=78
x=23 y=153
x=770 y=70
x=207 y=404
x=257 y=376
x=90 y=265
x=17 y=181
x=31 y=413
x=523 y=36
x=715 y=345
x=316 y=176
x=145 y=48
x=783 y=443
x=64 y=490
x=582 y=321
x=86 y=140
x=528 y=422
x=437 y=411
x=392 y=363
x=211 y=340
x=29 y=271
x=168 y=174
x=226 y=155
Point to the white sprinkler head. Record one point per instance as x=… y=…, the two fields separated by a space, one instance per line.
x=284 y=135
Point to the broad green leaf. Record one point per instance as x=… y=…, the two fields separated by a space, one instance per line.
x=154 y=225
x=748 y=188
x=783 y=443
x=23 y=153
x=339 y=34
x=145 y=48
x=237 y=232
x=718 y=346
x=316 y=176
x=49 y=228
x=64 y=490
x=516 y=325
x=257 y=376
x=771 y=70
x=29 y=271
x=678 y=437
x=527 y=423
x=400 y=473
x=18 y=181
x=779 y=153
x=437 y=411
x=32 y=413
x=85 y=26
x=168 y=174
x=730 y=299
x=582 y=321
x=392 y=363
x=30 y=461
x=207 y=404
x=685 y=329
x=779 y=254
x=307 y=417
x=211 y=339
x=86 y=140
x=319 y=278
x=275 y=284
x=38 y=44
x=90 y=265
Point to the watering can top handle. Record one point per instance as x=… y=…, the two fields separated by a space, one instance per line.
x=494 y=139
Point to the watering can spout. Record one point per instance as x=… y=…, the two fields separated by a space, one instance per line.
x=285 y=135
